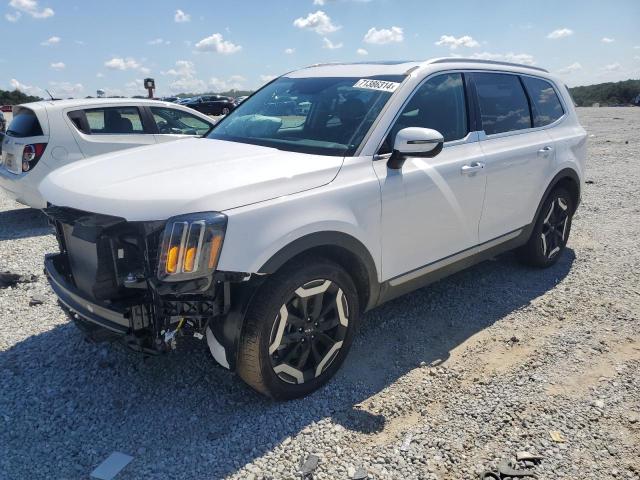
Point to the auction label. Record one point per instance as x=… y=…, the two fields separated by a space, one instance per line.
x=376 y=85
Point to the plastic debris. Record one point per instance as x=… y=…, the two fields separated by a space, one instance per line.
x=111 y=466
x=360 y=474
x=406 y=442
x=8 y=279
x=528 y=457
x=309 y=465
x=37 y=300
x=556 y=436
x=505 y=469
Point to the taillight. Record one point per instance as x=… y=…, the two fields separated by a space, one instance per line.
x=31 y=153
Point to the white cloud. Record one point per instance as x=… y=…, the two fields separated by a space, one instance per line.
x=453 y=42
x=216 y=43
x=574 y=67
x=607 y=40
x=30 y=7
x=560 y=33
x=13 y=17
x=319 y=2
x=235 y=82
x=384 y=35
x=523 y=58
x=99 y=75
x=58 y=66
x=181 y=17
x=289 y=51
x=186 y=79
x=182 y=68
x=28 y=89
x=326 y=43
x=362 y=51
x=51 y=41
x=158 y=41
x=267 y=78
x=119 y=63
x=319 y=22
x=612 y=67
x=66 y=89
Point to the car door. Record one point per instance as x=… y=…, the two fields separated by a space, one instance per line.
x=174 y=123
x=106 y=129
x=431 y=207
x=517 y=156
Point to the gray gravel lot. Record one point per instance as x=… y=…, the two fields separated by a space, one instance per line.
x=470 y=370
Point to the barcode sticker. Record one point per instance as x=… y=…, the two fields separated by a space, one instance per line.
x=381 y=85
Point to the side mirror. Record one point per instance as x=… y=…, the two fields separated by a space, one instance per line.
x=415 y=142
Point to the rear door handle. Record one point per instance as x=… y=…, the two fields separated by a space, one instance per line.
x=472 y=168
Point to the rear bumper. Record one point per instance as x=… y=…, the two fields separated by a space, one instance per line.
x=109 y=318
x=20 y=189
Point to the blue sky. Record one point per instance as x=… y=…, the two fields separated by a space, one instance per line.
x=74 y=47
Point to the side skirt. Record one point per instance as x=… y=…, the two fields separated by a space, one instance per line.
x=430 y=273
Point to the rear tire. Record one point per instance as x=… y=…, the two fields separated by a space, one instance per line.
x=551 y=231
x=298 y=329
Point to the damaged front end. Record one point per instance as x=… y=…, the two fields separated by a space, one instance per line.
x=147 y=283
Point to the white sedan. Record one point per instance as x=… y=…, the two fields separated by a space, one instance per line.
x=46 y=135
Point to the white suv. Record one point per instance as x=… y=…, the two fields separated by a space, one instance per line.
x=46 y=135
x=274 y=234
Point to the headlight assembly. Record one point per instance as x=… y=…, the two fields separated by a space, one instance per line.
x=191 y=246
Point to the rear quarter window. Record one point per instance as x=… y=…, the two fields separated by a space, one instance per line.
x=545 y=104
x=24 y=124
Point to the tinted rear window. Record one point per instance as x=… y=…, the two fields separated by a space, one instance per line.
x=503 y=104
x=544 y=101
x=25 y=124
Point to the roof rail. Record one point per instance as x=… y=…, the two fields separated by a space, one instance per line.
x=486 y=62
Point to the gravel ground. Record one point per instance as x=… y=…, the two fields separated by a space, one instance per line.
x=441 y=383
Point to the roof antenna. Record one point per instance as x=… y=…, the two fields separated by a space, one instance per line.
x=49 y=93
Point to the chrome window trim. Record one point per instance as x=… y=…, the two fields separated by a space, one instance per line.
x=481 y=135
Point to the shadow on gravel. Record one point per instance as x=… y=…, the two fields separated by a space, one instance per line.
x=71 y=404
x=23 y=223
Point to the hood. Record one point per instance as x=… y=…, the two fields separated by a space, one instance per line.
x=185 y=176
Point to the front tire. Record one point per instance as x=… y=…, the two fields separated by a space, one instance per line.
x=298 y=329
x=551 y=231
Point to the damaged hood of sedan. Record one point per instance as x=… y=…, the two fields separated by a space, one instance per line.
x=191 y=175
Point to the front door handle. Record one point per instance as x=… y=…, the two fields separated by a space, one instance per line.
x=545 y=150
x=473 y=167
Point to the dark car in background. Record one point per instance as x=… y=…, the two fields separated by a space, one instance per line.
x=212 y=104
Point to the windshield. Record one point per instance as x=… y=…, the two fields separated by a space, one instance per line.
x=324 y=116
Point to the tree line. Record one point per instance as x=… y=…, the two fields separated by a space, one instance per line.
x=626 y=92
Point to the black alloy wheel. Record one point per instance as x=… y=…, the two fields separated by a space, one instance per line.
x=550 y=232
x=309 y=331
x=298 y=328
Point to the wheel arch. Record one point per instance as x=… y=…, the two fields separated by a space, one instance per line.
x=341 y=248
x=567 y=178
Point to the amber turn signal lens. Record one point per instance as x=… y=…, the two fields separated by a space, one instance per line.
x=172 y=259
x=216 y=243
x=190 y=259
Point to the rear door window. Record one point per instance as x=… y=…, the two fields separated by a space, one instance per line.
x=24 y=124
x=174 y=121
x=114 y=120
x=545 y=105
x=503 y=103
